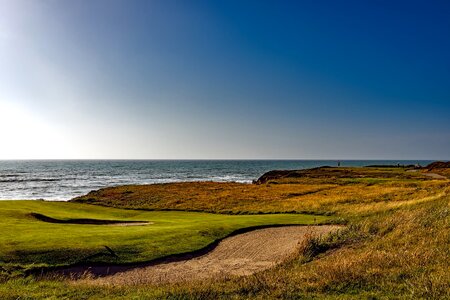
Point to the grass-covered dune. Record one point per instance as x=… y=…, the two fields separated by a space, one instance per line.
x=29 y=241
x=337 y=191
x=396 y=244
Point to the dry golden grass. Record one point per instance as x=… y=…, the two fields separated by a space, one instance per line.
x=396 y=244
x=320 y=191
x=398 y=254
x=204 y=196
x=441 y=171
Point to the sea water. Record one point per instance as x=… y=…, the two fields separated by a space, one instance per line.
x=65 y=179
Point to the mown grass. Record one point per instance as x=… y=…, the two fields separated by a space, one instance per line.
x=28 y=242
x=396 y=244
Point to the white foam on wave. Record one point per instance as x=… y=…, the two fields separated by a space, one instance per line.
x=64 y=180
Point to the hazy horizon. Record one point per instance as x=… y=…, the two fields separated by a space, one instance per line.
x=66 y=179
x=224 y=80
x=224 y=159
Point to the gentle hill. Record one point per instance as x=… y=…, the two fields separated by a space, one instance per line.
x=40 y=233
x=395 y=245
x=438 y=165
x=318 y=191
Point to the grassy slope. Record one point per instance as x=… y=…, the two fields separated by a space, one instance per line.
x=396 y=245
x=441 y=171
x=26 y=241
x=340 y=191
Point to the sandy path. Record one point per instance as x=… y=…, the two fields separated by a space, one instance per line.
x=434 y=175
x=243 y=254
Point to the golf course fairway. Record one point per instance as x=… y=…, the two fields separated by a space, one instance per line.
x=30 y=242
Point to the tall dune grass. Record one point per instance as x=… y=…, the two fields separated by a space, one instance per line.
x=396 y=244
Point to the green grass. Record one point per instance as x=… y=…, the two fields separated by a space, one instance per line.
x=396 y=244
x=397 y=254
x=27 y=242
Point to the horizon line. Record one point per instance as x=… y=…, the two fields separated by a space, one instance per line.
x=220 y=159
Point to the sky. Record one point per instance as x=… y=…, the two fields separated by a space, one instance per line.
x=108 y=79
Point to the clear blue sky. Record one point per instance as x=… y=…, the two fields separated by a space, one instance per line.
x=225 y=79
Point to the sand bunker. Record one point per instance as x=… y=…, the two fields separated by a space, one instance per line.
x=48 y=219
x=243 y=254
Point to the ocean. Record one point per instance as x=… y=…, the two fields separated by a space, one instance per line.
x=66 y=179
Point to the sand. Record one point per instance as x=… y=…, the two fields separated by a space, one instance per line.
x=240 y=255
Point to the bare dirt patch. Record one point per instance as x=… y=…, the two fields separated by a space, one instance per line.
x=240 y=255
